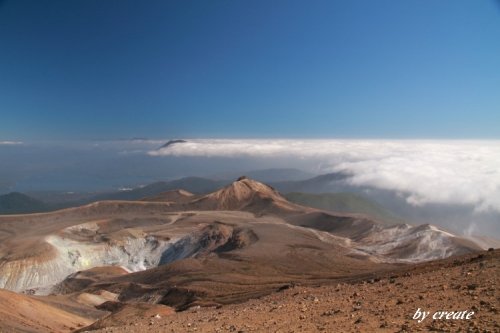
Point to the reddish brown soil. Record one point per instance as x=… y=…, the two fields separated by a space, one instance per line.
x=387 y=305
x=22 y=313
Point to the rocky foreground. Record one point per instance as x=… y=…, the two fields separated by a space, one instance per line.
x=385 y=303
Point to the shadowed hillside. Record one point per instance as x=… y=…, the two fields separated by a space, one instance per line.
x=345 y=203
x=18 y=203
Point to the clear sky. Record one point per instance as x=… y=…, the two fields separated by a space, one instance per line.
x=366 y=69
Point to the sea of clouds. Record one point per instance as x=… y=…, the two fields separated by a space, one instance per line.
x=427 y=171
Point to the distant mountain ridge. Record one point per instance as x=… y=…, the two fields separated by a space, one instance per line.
x=201 y=185
x=196 y=185
x=345 y=203
x=19 y=203
x=171 y=142
x=385 y=205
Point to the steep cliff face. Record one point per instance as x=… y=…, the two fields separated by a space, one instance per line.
x=415 y=244
x=40 y=274
x=75 y=249
x=399 y=243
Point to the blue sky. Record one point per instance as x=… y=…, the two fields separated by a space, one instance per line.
x=160 y=69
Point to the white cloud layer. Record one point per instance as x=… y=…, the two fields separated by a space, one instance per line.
x=10 y=142
x=429 y=171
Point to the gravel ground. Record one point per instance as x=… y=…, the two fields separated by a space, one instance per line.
x=384 y=304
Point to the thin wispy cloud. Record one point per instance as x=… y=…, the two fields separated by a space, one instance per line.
x=11 y=143
x=425 y=171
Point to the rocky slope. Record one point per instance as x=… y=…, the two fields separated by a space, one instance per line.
x=171 y=196
x=21 y=313
x=247 y=195
x=381 y=303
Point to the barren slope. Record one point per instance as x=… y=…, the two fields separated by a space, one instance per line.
x=383 y=303
x=21 y=313
x=247 y=195
x=171 y=196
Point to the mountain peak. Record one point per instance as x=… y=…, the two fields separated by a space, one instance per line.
x=247 y=194
x=172 y=142
x=244 y=186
